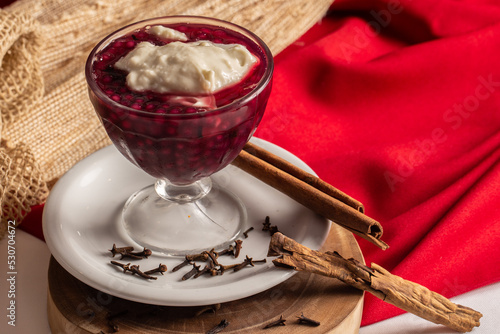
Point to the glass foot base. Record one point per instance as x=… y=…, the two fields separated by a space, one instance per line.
x=173 y=228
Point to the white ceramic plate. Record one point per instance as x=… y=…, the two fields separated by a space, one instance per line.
x=81 y=223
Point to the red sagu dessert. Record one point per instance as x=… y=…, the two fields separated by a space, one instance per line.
x=178 y=132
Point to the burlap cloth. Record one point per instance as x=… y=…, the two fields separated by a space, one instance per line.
x=47 y=123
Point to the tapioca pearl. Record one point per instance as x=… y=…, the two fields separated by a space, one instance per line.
x=136 y=106
x=139 y=124
x=100 y=65
x=149 y=143
x=130 y=139
x=150 y=107
x=109 y=55
x=182 y=28
x=130 y=44
x=140 y=144
x=118 y=44
x=168 y=166
x=112 y=117
x=174 y=110
x=215 y=142
x=219 y=33
x=192 y=160
x=107 y=79
x=126 y=124
x=119 y=114
x=170 y=128
x=164 y=98
x=151 y=156
x=180 y=163
x=116 y=98
x=200 y=35
x=225 y=125
x=209 y=144
x=141 y=35
x=165 y=152
x=219 y=138
x=169 y=131
x=159 y=120
x=188 y=132
x=155 y=131
x=195 y=150
x=180 y=147
x=222 y=146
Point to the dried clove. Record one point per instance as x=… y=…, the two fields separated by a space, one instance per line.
x=248 y=261
x=134 y=269
x=237 y=248
x=246 y=232
x=191 y=273
x=241 y=266
x=198 y=257
x=266 y=225
x=121 y=250
x=227 y=251
x=145 y=253
x=212 y=269
x=223 y=268
x=273 y=229
x=124 y=266
x=206 y=269
x=217 y=329
x=182 y=264
x=212 y=255
x=307 y=321
x=161 y=269
x=279 y=322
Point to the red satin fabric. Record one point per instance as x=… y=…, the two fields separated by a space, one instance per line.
x=405 y=117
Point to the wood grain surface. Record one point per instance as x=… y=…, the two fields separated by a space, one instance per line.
x=74 y=307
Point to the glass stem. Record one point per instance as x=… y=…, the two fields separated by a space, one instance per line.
x=183 y=193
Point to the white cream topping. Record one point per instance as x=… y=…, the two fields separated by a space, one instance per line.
x=167 y=33
x=188 y=68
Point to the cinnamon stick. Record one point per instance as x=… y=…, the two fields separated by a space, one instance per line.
x=302 y=175
x=407 y=295
x=308 y=195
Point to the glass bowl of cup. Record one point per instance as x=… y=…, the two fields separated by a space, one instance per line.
x=180 y=136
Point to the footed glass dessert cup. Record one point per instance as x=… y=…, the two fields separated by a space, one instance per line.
x=178 y=137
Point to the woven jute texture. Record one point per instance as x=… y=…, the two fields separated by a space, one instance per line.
x=47 y=123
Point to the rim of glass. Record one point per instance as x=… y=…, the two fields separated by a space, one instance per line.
x=261 y=85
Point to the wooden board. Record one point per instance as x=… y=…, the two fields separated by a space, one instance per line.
x=74 y=307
